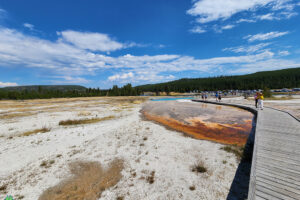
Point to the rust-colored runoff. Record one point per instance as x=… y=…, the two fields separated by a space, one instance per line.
x=196 y=128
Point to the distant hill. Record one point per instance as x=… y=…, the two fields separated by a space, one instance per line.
x=62 y=88
x=285 y=78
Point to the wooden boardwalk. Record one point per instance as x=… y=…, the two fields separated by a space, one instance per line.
x=275 y=169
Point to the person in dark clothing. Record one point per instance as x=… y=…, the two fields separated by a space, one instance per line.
x=256 y=99
x=219 y=97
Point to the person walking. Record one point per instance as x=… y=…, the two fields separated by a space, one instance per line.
x=256 y=99
x=260 y=101
x=219 y=97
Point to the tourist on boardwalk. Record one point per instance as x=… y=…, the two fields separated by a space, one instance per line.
x=256 y=99
x=217 y=96
x=260 y=98
x=205 y=96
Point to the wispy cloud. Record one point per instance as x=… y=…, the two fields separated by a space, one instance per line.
x=226 y=27
x=283 y=53
x=269 y=16
x=29 y=26
x=68 y=80
x=7 y=84
x=121 y=76
x=270 y=64
x=92 y=41
x=210 y=11
x=197 y=29
x=246 y=20
x=248 y=49
x=265 y=36
x=3 y=14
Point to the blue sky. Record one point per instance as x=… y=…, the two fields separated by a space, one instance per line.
x=100 y=43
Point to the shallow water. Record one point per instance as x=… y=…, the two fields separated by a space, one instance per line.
x=223 y=124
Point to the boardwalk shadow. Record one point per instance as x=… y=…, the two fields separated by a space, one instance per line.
x=240 y=185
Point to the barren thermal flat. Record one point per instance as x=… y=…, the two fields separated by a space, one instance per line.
x=157 y=162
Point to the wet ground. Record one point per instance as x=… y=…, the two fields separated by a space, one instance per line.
x=222 y=124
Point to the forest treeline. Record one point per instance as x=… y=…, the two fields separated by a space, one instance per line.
x=286 y=78
x=43 y=92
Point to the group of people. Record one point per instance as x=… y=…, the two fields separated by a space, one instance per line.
x=259 y=97
x=259 y=100
x=204 y=96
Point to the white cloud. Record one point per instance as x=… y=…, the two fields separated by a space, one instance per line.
x=160 y=46
x=29 y=26
x=91 y=41
x=246 y=20
x=68 y=80
x=269 y=16
x=264 y=65
x=212 y=10
x=69 y=63
x=277 y=16
x=197 y=29
x=283 y=53
x=121 y=76
x=248 y=49
x=265 y=36
x=209 y=11
x=7 y=84
x=286 y=15
x=226 y=27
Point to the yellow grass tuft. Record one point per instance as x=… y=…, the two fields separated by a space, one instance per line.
x=14 y=115
x=84 y=113
x=89 y=180
x=85 y=121
x=42 y=130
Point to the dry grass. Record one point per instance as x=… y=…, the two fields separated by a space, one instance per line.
x=85 y=121
x=47 y=164
x=199 y=167
x=89 y=180
x=84 y=113
x=14 y=115
x=42 y=130
x=236 y=150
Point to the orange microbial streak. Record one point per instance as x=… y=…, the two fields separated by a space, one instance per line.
x=197 y=128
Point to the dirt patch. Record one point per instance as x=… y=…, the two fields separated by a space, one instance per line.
x=88 y=182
